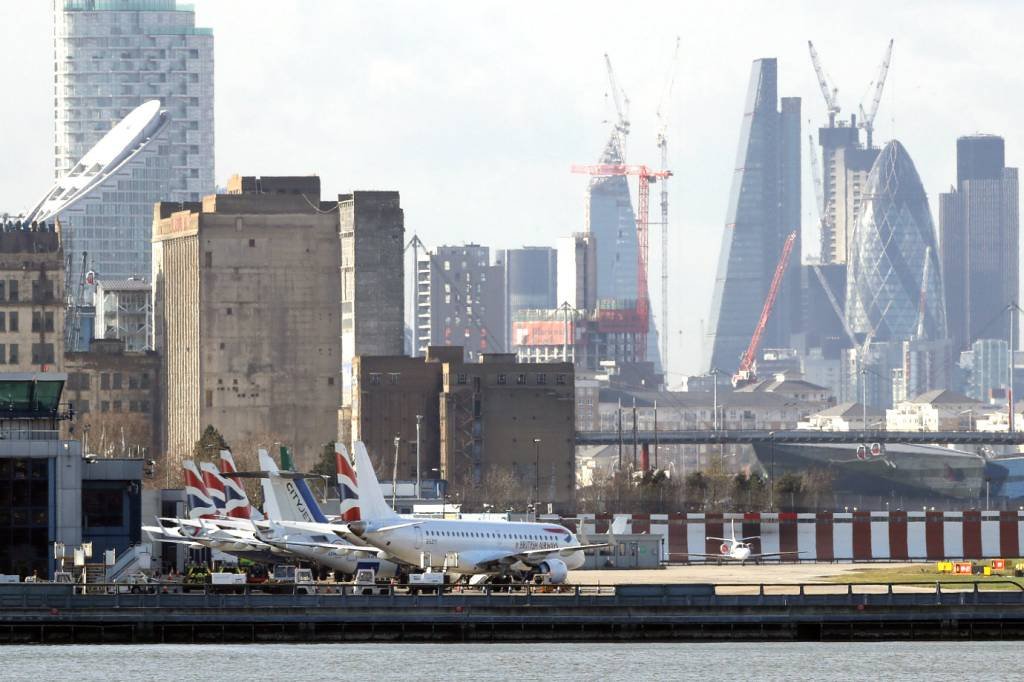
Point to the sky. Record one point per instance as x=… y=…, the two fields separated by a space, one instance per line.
x=475 y=111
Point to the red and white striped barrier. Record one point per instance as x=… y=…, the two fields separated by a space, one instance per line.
x=827 y=536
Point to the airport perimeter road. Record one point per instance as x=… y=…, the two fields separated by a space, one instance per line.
x=769 y=574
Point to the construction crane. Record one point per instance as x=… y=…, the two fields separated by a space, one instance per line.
x=621 y=108
x=831 y=95
x=646 y=176
x=666 y=101
x=745 y=373
x=867 y=120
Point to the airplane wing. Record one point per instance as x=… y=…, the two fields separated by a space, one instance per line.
x=769 y=554
x=708 y=556
x=323 y=545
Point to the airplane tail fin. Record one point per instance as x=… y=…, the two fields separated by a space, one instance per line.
x=214 y=486
x=237 y=501
x=348 y=488
x=270 y=507
x=291 y=498
x=198 y=500
x=372 y=505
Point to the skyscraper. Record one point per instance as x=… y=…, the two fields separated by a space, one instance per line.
x=465 y=305
x=764 y=207
x=110 y=56
x=894 y=262
x=531 y=280
x=612 y=222
x=979 y=221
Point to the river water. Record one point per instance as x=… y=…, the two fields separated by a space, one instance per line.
x=632 y=662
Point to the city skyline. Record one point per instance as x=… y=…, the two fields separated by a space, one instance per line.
x=491 y=127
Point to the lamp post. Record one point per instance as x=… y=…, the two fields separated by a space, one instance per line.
x=394 y=473
x=771 y=475
x=536 y=471
x=419 y=422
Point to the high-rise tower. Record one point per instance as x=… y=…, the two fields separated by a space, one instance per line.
x=894 y=286
x=979 y=221
x=764 y=207
x=110 y=56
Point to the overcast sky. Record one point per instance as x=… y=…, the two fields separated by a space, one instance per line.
x=475 y=110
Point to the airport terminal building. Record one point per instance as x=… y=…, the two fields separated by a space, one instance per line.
x=49 y=492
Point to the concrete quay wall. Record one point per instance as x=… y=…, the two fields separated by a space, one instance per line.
x=657 y=613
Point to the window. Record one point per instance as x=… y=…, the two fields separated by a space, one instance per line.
x=560 y=379
x=502 y=379
x=144 y=380
x=209 y=397
x=460 y=378
x=12 y=292
x=252 y=243
x=116 y=382
x=209 y=259
x=3 y=322
x=393 y=378
x=375 y=378
x=42 y=353
x=228 y=311
x=3 y=289
x=3 y=354
x=104 y=382
x=12 y=354
x=144 y=406
x=542 y=379
x=42 y=290
x=521 y=379
x=117 y=406
x=105 y=406
x=12 y=321
x=80 y=406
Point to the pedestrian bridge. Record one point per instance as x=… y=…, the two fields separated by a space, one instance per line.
x=751 y=436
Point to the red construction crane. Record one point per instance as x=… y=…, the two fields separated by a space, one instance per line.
x=646 y=177
x=745 y=374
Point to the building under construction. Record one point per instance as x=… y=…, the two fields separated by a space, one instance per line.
x=604 y=314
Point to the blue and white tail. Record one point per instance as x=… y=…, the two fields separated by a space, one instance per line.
x=291 y=498
x=372 y=505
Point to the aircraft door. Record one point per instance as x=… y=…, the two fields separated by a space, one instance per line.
x=419 y=536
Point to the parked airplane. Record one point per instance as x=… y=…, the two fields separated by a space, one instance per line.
x=738 y=549
x=238 y=505
x=293 y=501
x=463 y=546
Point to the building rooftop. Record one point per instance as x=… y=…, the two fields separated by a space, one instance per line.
x=943 y=396
x=130 y=284
x=849 y=409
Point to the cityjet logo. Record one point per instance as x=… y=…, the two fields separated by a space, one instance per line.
x=297 y=501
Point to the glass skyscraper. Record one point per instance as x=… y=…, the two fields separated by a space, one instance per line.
x=979 y=224
x=894 y=263
x=109 y=57
x=764 y=207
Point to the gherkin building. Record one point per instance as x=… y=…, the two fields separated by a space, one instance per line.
x=894 y=283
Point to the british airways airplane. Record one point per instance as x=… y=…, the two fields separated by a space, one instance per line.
x=462 y=546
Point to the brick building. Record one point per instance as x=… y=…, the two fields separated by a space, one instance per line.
x=31 y=298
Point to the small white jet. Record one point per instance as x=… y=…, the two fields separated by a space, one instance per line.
x=738 y=549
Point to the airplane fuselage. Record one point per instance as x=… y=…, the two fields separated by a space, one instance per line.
x=462 y=545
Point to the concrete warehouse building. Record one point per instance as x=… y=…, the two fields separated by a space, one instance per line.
x=496 y=416
x=257 y=292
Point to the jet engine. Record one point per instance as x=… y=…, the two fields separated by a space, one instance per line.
x=555 y=570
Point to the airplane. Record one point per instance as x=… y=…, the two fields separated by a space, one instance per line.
x=461 y=546
x=292 y=501
x=738 y=549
